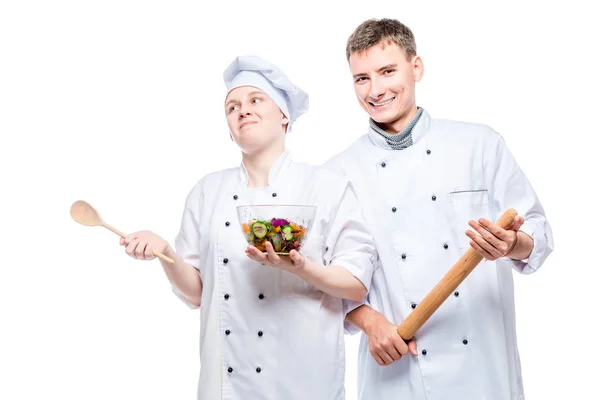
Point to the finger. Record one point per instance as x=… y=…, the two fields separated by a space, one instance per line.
x=122 y=242
x=130 y=249
x=481 y=251
x=412 y=347
x=391 y=349
x=377 y=358
x=494 y=229
x=485 y=245
x=489 y=237
x=297 y=258
x=260 y=256
x=256 y=254
x=400 y=345
x=518 y=223
x=140 y=249
x=253 y=257
x=387 y=359
x=129 y=238
x=271 y=256
x=148 y=254
x=505 y=235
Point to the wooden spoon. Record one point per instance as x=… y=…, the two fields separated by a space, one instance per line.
x=87 y=215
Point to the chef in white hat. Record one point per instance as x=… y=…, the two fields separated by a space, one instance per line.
x=254 y=72
x=271 y=326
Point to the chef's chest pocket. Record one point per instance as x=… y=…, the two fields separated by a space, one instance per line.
x=293 y=286
x=468 y=205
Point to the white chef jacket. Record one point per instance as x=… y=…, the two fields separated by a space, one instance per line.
x=265 y=333
x=417 y=203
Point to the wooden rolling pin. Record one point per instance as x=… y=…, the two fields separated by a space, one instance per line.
x=447 y=285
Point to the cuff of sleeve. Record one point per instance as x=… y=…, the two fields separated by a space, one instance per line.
x=183 y=298
x=359 y=265
x=538 y=253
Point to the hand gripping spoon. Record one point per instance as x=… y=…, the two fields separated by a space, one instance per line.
x=85 y=214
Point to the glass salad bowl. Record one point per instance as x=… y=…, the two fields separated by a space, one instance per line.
x=285 y=226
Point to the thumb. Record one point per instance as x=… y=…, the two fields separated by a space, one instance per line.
x=412 y=347
x=296 y=258
x=518 y=222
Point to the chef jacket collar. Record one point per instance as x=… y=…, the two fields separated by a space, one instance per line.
x=418 y=132
x=276 y=171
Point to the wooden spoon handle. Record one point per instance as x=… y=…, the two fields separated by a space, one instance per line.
x=447 y=285
x=162 y=256
x=115 y=230
x=155 y=253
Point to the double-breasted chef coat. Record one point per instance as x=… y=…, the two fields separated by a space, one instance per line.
x=265 y=333
x=417 y=203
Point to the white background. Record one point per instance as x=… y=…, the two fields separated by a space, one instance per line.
x=120 y=103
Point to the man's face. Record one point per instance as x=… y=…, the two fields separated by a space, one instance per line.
x=384 y=82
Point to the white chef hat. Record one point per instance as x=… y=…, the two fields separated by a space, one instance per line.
x=261 y=74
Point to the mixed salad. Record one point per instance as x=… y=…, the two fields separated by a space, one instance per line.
x=284 y=235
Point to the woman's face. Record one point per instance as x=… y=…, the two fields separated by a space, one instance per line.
x=254 y=120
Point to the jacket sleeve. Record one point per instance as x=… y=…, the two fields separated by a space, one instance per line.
x=350 y=244
x=511 y=189
x=187 y=241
